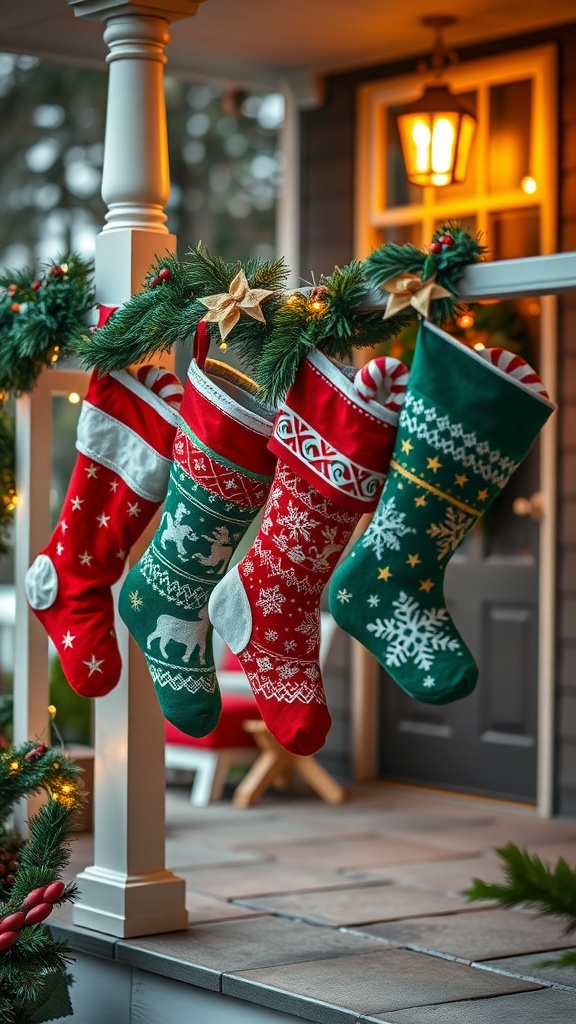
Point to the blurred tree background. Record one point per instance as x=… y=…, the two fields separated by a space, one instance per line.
x=224 y=163
x=225 y=169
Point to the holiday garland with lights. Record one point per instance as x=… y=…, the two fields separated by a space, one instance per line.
x=272 y=331
x=34 y=978
x=43 y=315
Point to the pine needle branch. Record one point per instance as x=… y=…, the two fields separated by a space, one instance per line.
x=530 y=882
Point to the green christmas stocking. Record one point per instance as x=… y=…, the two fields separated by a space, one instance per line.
x=221 y=473
x=468 y=421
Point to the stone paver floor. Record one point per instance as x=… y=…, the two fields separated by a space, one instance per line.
x=354 y=913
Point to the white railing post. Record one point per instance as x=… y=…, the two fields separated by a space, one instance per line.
x=127 y=891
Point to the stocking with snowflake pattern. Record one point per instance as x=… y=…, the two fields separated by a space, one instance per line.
x=468 y=421
x=220 y=477
x=124 y=439
x=333 y=439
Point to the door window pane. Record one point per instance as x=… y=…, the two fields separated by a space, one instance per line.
x=513 y=234
x=509 y=135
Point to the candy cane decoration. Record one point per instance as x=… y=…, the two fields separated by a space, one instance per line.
x=516 y=367
x=162 y=382
x=383 y=380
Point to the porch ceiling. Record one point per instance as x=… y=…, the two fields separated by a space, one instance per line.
x=261 y=41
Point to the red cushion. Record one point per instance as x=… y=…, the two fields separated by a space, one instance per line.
x=236 y=708
x=230 y=662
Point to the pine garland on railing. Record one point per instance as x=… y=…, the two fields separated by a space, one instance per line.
x=34 y=979
x=43 y=316
x=451 y=250
x=329 y=318
x=170 y=306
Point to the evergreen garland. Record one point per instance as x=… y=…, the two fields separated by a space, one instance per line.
x=42 y=318
x=34 y=979
x=445 y=260
x=330 y=319
x=532 y=883
x=168 y=310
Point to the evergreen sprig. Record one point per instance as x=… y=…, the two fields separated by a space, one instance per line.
x=213 y=276
x=168 y=310
x=331 y=318
x=447 y=264
x=530 y=882
x=34 y=980
x=43 y=316
x=152 y=320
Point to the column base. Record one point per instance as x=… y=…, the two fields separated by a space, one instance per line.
x=130 y=905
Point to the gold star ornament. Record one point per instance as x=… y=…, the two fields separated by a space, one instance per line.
x=225 y=308
x=410 y=290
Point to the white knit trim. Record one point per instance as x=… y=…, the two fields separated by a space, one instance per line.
x=167 y=412
x=239 y=408
x=337 y=377
x=485 y=362
x=106 y=441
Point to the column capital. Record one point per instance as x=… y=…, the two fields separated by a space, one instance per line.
x=103 y=10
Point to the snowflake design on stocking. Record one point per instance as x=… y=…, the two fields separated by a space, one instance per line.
x=271 y=600
x=386 y=529
x=414 y=634
x=298 y=522
x=310 y=628
x=450 y=534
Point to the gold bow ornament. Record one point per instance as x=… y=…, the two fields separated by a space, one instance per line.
x=410 y=290
x=225 y=308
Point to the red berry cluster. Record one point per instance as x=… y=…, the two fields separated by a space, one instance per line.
x=36 y=753
x=318 y=293
x=163 y=275
x=443 y=242
x=35 y=908
x=8 y=865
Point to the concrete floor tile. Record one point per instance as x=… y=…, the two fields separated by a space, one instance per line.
x=203 y=909
x=470 y=837
x=447 y=875
x=242 y=881
x=546 y=1006
x=383 y=980
x=202 y=953
x=529 y=967
x=481 y=935
x=347 y=907
x=354 y=852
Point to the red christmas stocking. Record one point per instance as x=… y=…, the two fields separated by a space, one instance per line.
x=333 y=439
x=125 y=435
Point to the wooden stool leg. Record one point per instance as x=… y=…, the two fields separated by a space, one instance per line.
x=257 y=780
x=320 y=781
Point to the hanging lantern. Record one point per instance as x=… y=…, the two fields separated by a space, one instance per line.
x=436 y=131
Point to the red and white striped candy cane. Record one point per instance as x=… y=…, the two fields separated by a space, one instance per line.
x=383 y=380
x=161 y=382
x=516 y=367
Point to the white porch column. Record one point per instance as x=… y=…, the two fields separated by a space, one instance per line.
x=127 y=891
